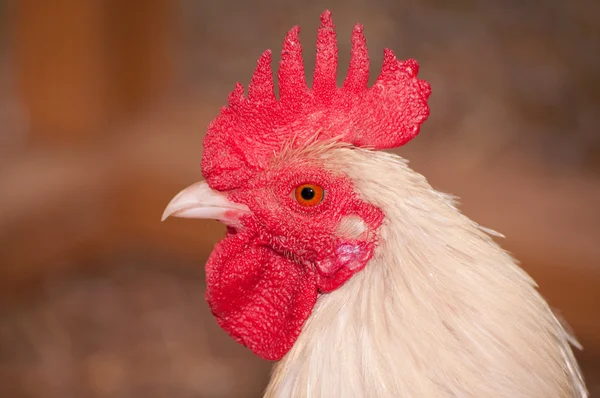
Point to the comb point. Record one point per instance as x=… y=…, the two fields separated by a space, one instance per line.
x=357 y=79
x=236 y=97
x=411 y=67
x=262 y=86
x=326 y=18
x=292 y=82
x=324 y=78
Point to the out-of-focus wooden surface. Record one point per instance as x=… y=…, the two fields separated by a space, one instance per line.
x=101 y=299
x=81 y=65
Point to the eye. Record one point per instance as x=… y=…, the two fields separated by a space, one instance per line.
x=309 y=194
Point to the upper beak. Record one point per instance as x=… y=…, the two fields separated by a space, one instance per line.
x=200 y=201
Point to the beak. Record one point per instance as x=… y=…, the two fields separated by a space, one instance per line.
x=200 y=201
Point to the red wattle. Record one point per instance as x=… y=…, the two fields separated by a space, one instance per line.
x=259 y=297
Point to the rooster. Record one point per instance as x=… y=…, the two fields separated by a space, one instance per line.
x=346 y=266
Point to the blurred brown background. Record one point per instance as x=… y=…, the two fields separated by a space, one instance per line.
x=103 y=106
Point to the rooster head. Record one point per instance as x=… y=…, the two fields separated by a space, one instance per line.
x=296 y=228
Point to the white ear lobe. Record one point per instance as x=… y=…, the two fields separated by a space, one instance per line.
x=351 y=227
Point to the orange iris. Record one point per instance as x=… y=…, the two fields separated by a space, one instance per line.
x=309 y=194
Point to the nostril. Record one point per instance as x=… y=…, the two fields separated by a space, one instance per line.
x=231 y=230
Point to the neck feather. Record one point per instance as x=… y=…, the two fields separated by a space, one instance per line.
x=440 y=311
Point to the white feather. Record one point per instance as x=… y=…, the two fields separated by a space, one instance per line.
x=440 y=311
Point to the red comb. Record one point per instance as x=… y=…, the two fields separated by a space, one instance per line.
x=248 y=132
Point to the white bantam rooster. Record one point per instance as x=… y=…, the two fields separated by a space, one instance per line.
x=343 y=263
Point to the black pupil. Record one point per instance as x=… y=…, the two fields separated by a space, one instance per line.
x=307 y=193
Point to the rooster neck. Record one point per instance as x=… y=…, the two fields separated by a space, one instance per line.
x=439 y=311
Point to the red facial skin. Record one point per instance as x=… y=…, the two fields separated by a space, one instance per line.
x=264 y=278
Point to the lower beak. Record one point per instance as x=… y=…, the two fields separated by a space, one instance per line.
x=200 y=201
